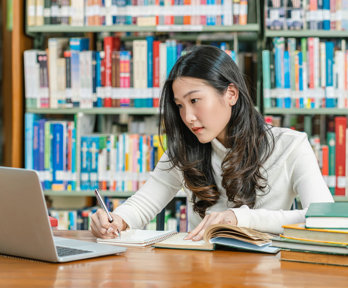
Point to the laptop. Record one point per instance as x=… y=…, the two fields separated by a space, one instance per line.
x=25 y=229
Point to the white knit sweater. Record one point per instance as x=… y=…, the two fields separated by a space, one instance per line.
x=291 y=170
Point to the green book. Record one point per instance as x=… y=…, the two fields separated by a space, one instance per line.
x=327 y=215
x=310 y=246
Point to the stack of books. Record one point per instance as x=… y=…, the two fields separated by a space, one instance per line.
x=322 y=239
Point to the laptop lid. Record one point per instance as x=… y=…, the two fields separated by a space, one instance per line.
x=24 y=223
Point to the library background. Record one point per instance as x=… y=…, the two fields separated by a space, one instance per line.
x=81 y=80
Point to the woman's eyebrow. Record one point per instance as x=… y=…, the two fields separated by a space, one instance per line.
x=187 y=94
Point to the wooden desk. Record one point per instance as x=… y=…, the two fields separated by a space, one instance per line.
x=150 y=267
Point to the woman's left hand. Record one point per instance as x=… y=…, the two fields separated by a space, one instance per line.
x=225 y=217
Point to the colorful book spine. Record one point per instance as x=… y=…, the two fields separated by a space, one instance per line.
x=340 y=161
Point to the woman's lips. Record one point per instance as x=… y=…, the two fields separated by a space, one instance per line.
x=197 y=129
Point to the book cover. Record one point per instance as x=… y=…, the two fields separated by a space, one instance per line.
x=309 y=246
x=311 y=257
x=327 y=215
x=299 y=231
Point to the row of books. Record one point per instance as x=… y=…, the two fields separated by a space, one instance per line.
x=331 y=152
x=305 y=73
x=322 y=239
x=69 y=75
x=310 y=14
x=50 y=149
x=110 y=162
x=136 y=12
x=118 y=162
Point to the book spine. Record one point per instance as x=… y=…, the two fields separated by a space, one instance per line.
x=340 y=129
x=331 y=141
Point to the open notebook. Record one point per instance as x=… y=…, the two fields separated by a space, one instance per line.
x=218 y=234
x=137 y=237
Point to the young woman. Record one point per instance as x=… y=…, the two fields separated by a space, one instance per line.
x=233 y=167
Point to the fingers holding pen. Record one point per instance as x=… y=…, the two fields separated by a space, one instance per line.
x=101 y=227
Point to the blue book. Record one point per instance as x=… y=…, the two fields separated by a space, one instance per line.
x=171 y=55
x=48 y=156
x=28 y=136
x=149 y=40
x=36 y=153
x=73 y=160
x=300 y=78
x=58 y=145
x=99 y=102
x=326 y=14
x=84 y=169
x=93 y=149
x=79 y=44
x=330 y=98
x=278 y=61
x=287 y=79
x=42 y=150
x=179 y=49
x=266 y=72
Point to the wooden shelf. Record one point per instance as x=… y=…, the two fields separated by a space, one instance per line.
x=132 y=111
x=306 y=33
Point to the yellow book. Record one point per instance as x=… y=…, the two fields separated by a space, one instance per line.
x=299 y=231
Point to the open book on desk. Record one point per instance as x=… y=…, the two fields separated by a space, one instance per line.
x=225 y=235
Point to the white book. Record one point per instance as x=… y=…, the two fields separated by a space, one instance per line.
x=61 y=82
x=39 y=16
x=140 y=63
x=55 y=51
x=77 y=12
x=31 y=78
x=137 y=237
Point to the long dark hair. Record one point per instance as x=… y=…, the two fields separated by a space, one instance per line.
x=249 y=139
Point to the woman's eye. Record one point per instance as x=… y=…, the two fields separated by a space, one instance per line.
x=194 y=100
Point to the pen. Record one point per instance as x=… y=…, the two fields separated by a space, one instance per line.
x=102 y=204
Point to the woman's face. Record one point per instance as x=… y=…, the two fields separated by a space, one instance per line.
x=204 y=111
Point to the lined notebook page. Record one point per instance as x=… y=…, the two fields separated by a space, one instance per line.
x=178 y=239
x=137 y=237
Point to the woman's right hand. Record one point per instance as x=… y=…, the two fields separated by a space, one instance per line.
x=102 y=228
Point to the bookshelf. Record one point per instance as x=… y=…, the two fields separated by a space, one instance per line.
x=307 y=43
x=234 y=35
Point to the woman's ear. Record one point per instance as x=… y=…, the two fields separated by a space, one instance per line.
x=232 y=94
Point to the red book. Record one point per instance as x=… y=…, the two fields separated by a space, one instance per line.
x=340 y=129
x=156 y=63
x=325 y=161
x=203 y=17
x=53 y=221
x=110 y=44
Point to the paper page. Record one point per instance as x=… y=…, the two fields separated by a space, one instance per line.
x=178 y=239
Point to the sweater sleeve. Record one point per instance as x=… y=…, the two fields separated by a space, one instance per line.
x=307 y=182
x=152 y=197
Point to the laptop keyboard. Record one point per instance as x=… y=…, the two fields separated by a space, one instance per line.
x=65 y=251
